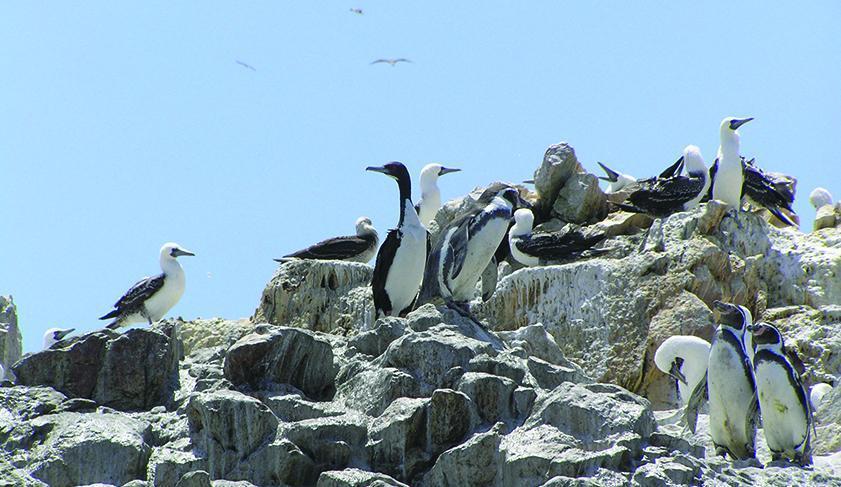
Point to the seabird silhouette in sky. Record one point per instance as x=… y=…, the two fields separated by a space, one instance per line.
x=248 y=66
x=392 y=62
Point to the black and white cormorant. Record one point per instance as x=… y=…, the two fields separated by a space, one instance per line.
x=151 y=298
x=398 y=272
x=532 y=249
x=353 y=248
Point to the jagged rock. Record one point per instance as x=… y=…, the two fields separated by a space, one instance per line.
x=492 y=395
x=373 y=389
x=168 y=464
x=333 y=442
x=326 y=296
x=580 y=200
x=473 y=463
x=213 y=332
x=284 y=356
x=813 y=334
x=196 y=478
x=374 y=342
x=448 y=419
x=10 y=339
x=290 y=405
x=559 y=164
x=354 y=477
x=827 y=216
x=828 y=421
x=134 y=370
x=397 y=438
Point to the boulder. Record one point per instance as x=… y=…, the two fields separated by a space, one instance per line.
x=559 y=165
x=580 y=200
x=354 y=477
x=10 y=338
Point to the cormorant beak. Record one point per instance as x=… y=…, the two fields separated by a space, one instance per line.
x=447 y=170
x=735 y=124
x=676 y=373
x=180 y=252
x=63 y=333
x=528 y=181
x=379 y=169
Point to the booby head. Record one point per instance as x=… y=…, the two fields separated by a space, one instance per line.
x=364 y=226
x=766 y=335
x=729 y=129
x=820 y=197
x=430 y=173
x=171 y=251
x=523 y=222
x=734 y=316
x=55 y=335
x=693 y=160
x=617 y=180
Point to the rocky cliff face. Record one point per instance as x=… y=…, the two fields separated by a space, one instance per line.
x=10 y=340
x=560 y=390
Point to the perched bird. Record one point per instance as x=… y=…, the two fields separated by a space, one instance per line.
x=466 y=247
x=150 y=299
x=532 y=249
x=729 y=174
x=430 y=201
x=817 y=393
x=772 y=191
x=398 y=272
x=55 y=335
x=730 y=386
x=661 y=196
x=357 y=11
x=353 y=248
x=684 y=358
x=786 y=412
x=617 y=180
x=247 y=66
x=392 y=62
x=820 y=197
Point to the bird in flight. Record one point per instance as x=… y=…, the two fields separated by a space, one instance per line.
x=392 y=62
x=357 y=11
x=246 y=65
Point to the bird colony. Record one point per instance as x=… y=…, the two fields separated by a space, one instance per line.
x=745 y=377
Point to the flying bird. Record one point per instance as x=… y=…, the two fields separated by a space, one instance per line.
x=357 y=11
x=392 y=62
x=246 y=65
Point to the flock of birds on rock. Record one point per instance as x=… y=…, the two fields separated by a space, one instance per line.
x=745 y=370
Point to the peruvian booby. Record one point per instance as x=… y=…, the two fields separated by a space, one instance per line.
x=661 y=196
x=619 y=182
x=466 y=247
x=55 y=335
x=684 y=358
x=398 y=272
x=729 y=174
x=430 y=201
x=730 y=386
x=532 y=249
x=786 y=412
x=820 y=197
x=150 y=299
x=353 y=248
x=772 y=191
x=817 y=393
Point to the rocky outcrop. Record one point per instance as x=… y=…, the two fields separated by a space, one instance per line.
x=10 y=339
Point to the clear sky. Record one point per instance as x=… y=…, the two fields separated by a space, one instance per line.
x=127 y=125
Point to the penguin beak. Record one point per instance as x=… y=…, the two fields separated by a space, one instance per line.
x=180 y=252
x=676 y=373
x=63 y=333
x=447 y=170
x=735 y=124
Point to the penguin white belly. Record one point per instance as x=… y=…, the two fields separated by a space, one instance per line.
x=162 y=301
x=783 y=416
x=730 y=393
x=480 y=251
x=405 y=275
x=728 y=183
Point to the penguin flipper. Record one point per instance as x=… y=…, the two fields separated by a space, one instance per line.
x=696 y=400
x=750 y=427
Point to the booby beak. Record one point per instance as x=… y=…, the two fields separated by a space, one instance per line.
x=379 y=169
x=447 y=170
x=612 y=176
x=675 y=372
x=180 y=252
x=735 y=124
x=528 y=181
x=63 y=333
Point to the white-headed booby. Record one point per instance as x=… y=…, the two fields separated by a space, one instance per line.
x=820 y=197
x=398 y=272
x=150 y=299
x=532 y=249
x=684 y=358
x=661 y=196
x=55 y=335
x=430 y=201
x=730 y=385
x=467 y=246
x=817 y=393
x=617 y=181
x=786 y=412
x=353 y=248
x=729 y=175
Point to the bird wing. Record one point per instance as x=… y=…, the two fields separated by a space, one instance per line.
x=673 y=170
x=134 y=298
x=457 y=246
x=338 y=248
x=713 y=172
x=666 y=195
x=380 y=61
x=385 y=257
x=693 y=405
x=402 y=60
x=557 y=246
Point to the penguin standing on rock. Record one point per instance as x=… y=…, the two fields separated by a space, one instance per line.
x=398 y=272
x=786 y=412
x=730 y=386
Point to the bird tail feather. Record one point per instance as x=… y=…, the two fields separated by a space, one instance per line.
x=112 y=314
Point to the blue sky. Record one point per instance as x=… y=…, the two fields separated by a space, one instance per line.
x=128 y=125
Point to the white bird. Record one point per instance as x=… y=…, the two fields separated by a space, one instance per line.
x=729 y=176
x=430 y=201
x=55 y=335
x=684 y=358
x=150 y=299
x=617 y=180
x=820 y=197
x=817 y=393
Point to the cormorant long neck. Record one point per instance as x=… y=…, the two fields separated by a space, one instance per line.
x=405 y=185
